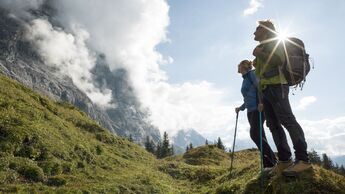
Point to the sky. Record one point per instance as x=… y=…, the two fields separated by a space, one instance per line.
x=208 y=40
x=182 y=58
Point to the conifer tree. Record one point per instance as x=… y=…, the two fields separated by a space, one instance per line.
x=130 y=138
x=190 y=146
x=327 y=162
x=164 y=149
x=206 y=142
x=159 y=150
x=342 y=170
x=149 y=145
x=336 y=168
x=165 y=145
x=314 y=157
x=220 y=144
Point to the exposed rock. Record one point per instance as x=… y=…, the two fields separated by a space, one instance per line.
x=20 y=60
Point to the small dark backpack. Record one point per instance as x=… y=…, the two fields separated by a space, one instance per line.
x=296 y=66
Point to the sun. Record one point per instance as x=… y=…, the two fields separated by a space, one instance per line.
x=282 y=36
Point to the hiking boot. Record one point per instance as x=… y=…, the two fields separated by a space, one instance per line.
x=267 y=170
x=279 y=167
x=297 y=168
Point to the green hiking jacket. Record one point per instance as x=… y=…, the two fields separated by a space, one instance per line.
x=263 y=65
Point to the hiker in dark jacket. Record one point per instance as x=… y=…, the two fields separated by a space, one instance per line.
x=274 y=101
x=249 y=92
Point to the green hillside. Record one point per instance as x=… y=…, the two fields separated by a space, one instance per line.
x=52 y=147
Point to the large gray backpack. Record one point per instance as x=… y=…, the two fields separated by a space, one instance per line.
x=296 y=66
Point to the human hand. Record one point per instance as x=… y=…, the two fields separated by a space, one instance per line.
x=260 y=107
x=237 y=110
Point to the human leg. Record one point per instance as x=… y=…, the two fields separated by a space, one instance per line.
x=269 y=159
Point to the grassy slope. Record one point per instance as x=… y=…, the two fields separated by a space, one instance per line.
x=47 y=146
x=207 y=169
x=46 y=143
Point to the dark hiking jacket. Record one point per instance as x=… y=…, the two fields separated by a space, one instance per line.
x=249 y=91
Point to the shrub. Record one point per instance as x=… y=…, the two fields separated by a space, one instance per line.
x=13 y=166
x=83 y=153
x=32 y=173
x=6 y=148
x=80 y=165
x=105 y=138
x=99 y=150
x=45 y=154
x=56 y=181
x=28 y=152
x=29 y=148
x=8 y=177
x=51 y=167
x=89 y=126
x=67 y=167
x=205 y=174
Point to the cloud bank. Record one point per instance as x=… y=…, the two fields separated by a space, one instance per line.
x=254 y=5
x=324 y=135
x=305 y=102
x=189 y=105
x=127 y=32
x=69 y=54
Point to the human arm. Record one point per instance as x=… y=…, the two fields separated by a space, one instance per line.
x=241 y=108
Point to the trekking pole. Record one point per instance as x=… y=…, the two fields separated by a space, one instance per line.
x=261 y=155
x=233 y=145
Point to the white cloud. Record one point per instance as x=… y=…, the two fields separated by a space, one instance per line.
x=128 y=31
x=20 y=7
x=305 y=102
x=189 y=105
x=69 y=54
x=254 y=5
x=326 y=135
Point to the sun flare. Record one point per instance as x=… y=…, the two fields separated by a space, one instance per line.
x=282 y=36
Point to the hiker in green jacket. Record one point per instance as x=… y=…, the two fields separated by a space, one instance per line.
x=274 y=101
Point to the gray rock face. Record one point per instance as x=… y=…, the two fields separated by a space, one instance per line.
x=184 y=137
x=127 y=113
x=20 y=61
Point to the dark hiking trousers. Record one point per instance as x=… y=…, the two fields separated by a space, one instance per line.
x=269 y=159
x=278 y=112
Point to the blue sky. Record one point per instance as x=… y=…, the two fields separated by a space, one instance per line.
x=209 y=38
x=181 y=57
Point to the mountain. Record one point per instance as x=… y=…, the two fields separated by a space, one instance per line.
x=184 y=137
x=20 y=60
x=340 y=160
x=48 y=146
